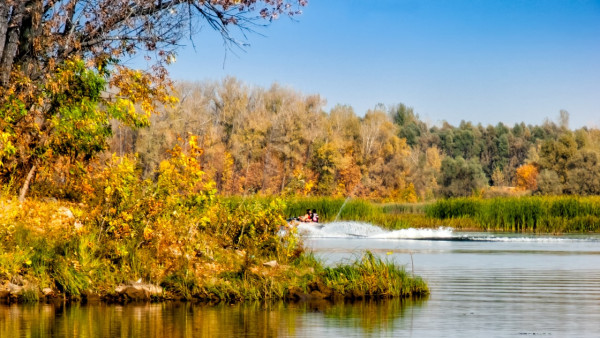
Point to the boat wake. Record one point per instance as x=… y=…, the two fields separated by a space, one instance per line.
x=365 y=230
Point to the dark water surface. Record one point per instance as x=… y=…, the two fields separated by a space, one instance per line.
x=482 y=285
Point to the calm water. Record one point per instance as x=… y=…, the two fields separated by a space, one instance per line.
x=482 y=285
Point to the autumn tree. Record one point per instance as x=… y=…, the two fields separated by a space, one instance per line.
x=325 y=162
x=294 y=121
x=343 y=131
x=39 y=38
x=384 y=156
x=424 y=171
x=548 y=183
x=526 y=177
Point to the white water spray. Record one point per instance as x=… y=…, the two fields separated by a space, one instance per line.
x=346 y=229
x=339 y=212
x=365 y=230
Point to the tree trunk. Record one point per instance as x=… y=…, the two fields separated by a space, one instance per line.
x=31 y=29
x=283 y=175
x=25 y=186
x=4 y=10
x=12 y=43
x=247 y=173
x=265 y=169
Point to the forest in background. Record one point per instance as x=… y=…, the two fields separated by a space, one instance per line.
x=279 y=141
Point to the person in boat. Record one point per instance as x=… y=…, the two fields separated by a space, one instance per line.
x=315 y=216
x=307 y=217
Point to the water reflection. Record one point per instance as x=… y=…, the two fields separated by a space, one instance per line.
x=361 y=318
x=511 y=287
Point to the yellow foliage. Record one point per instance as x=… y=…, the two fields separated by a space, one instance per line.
x=7 y=149
x=136 y=87
x=308 y=187
x=49 y=219
x=526 y=177
x=349 y=175
x=410 y=194
x=133 y=228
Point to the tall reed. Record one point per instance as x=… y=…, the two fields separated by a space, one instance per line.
x=549 y=214
x=371 y=276
x=392 y=216
x=552 y=214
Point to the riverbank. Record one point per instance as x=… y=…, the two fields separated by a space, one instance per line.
x=225 y=252
x=536 y=214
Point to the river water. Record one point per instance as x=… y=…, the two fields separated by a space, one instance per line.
x=482 y=285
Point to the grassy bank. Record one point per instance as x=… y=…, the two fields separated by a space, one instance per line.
x=548 y=214
x=218 y=253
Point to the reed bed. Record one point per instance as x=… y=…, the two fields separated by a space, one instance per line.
x=404 y=208
x=544 y=214
x=549 y=214
x=391 y=216
x=331 y=208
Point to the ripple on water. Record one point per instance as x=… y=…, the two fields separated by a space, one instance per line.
x=493 y=285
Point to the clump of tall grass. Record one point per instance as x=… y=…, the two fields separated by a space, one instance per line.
x=367 y=277
x=453 y=208
x=370 y=276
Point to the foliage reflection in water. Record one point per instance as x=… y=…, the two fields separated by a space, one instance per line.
x=174 y=319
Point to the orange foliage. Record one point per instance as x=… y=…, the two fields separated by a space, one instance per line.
x=349 y=176
x=526 y=177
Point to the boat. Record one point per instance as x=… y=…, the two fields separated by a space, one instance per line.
x=294 y=222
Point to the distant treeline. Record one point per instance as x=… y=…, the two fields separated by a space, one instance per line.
x=279 y=141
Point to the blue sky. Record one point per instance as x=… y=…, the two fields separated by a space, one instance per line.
x=483 y=61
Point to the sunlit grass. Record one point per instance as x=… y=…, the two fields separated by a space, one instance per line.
x=550 y=214
x=367 y=277
x=391 y=216
x=371 y=276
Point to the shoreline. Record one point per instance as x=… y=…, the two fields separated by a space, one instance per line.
x=339 y=283
x=295 y=296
